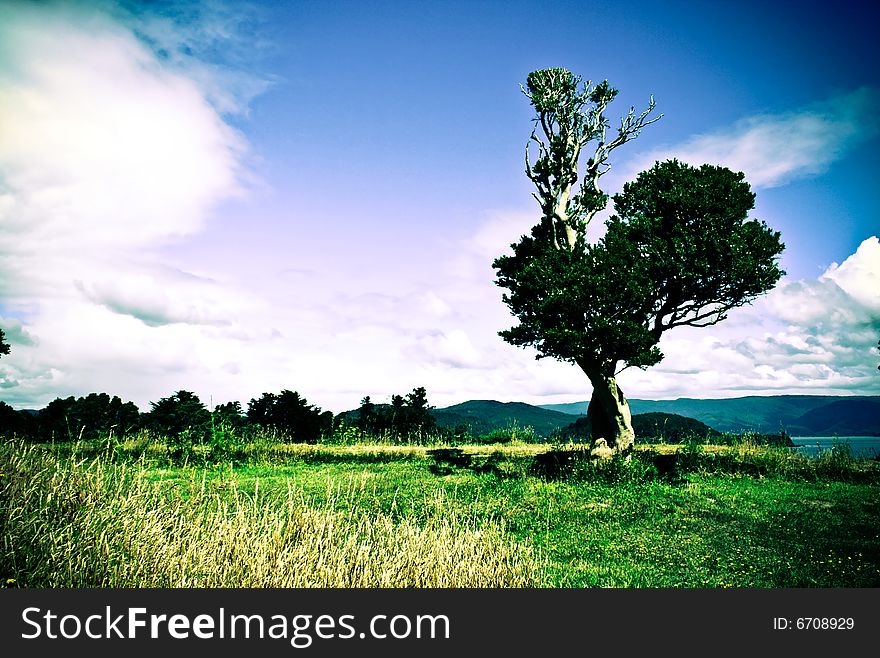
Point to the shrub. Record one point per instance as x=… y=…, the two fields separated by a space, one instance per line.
x=513 y=433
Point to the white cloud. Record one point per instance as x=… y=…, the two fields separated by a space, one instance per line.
x=101 y=149
x=773 y=149
x=157 y=297
x=859 y=275
x=108 y=150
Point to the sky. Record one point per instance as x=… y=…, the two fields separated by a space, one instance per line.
x=234 y=198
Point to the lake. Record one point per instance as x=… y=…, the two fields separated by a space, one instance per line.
x=862 y=446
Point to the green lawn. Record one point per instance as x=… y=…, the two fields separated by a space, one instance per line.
x=705 y=530
x=616 y=526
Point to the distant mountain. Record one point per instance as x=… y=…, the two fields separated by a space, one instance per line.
x=847 y=417
x=571 y=408
x=484 y=416
x=799 y=415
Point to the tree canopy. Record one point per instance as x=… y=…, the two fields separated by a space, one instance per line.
x=289 y=413
x=407 y=417
x=679 y=251
x=178 y=413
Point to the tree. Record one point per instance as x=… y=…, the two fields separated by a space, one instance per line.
x=680 y=251
x=420 y=421
x=397 y=417
x=180 y=412
x=260 y=410
x=367 y=417
x=4 y=346
x=98 y=414
x=228 y=415
x=15 y=423
x=407 y=417
x=54 y=420
x=291 y=414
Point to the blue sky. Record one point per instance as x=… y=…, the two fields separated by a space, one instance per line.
x=234 y=198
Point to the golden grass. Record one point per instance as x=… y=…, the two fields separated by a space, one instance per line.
x=93 y=523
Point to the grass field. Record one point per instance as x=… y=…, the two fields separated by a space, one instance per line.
x=407 y=516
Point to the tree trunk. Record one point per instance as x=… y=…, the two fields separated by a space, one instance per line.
x=609 y=417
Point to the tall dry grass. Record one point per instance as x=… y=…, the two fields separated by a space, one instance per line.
x=93 y=523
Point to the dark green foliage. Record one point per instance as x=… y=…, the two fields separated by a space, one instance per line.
x=291 y=415
x=694 y=242
x=181 y=415
x=228 y=415
x=679 y=251
x=653 y=427
x=4 y=346
x=94 y=416
x=16 y=423
x=408 y=418
x=672 y=428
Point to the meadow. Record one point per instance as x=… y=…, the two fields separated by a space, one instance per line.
x=134 y=514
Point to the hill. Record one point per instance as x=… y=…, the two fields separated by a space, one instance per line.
x=670 y=428
x=856 y=417
x=484 y=416
x=655 y=426
x=799 y=415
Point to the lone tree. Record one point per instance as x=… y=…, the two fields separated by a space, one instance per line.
x=680 y=250
x=4 y=346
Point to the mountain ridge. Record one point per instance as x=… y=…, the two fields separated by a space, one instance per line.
x=799 y=415
x=483 y=416
x=795 y=415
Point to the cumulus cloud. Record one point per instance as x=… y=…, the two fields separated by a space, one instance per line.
x=113 y=141
x=774 y=149
x=101 y=146
x=158 y=296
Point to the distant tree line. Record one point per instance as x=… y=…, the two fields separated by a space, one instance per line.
x=286 y=415
x=407 y=417
x=94 y=415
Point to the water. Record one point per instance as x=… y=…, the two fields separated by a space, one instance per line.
x=861 y=446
